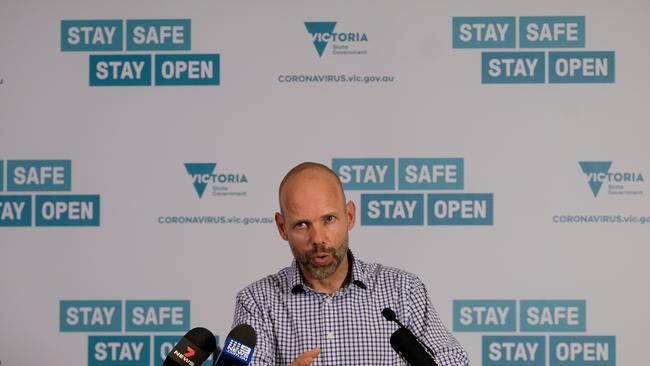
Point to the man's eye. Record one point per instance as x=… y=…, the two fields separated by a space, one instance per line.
x=331 y=218
x=301 y=225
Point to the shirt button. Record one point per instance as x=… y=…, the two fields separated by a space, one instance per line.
x=329 y=335
x=328 y=301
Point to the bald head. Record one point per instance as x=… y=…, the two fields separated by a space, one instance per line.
x=315 y=219
x=306 y=173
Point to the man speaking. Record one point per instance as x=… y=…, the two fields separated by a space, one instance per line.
x=326 y=308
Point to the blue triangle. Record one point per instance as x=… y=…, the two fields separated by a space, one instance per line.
x=595 y=167
x=315 y=28
x=196 y=171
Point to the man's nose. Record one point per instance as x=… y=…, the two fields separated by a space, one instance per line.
x=318 y=235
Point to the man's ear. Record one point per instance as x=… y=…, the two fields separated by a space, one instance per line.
x=279 y=222
x=351 y=212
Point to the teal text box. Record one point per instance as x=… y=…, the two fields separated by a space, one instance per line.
x=158 y=34
x=365 y=173
x=431 y=173
x=513 y=68
x=157 y=315
x=15 y=211
x=514 y=350
x=581 y=67
x=67 y=210
x=90 y=315
x=552 y=32
x=485 y=315
x=387 y=209
x=91 y=35
x=119 y=350
x=188 y=69
x=460 y=209
x=119 y=70
x=484 y=32
x=552 y=315
x=582 y=351
x=39 y=175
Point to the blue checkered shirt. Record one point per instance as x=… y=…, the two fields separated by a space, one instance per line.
x=291 y=318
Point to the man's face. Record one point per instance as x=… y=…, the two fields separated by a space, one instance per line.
x=315 y=221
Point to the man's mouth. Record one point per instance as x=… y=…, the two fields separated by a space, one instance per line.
x=321 y=259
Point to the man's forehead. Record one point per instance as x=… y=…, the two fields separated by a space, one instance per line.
x=310 y=184
x=308 y=169
x=311 y=174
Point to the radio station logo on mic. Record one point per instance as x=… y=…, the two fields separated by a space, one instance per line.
x=185 y=357
x=190 y=352
x=239 y=350
x=239 y=346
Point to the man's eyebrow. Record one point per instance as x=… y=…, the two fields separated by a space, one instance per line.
x=295 y=221
x=333 y=213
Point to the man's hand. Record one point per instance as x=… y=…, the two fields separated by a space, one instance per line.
x=306 y=358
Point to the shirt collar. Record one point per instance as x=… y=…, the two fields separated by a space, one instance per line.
x=298 y=285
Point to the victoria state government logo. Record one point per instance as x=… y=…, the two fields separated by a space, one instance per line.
x=221 y=183
x=343 y=42
x=618 y=183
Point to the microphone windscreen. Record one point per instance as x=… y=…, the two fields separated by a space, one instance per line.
x=244 y=333
x=194 y=348
x=239 y=346
x=202 y=338
x=405 y=344
x=389 y=314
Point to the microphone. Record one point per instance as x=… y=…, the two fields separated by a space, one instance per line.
x=389 y=314
x=406 y=344
x=239 y=347
x=194 y=348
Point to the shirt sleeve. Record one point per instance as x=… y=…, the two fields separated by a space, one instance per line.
x=248 y=311
x=426 y=325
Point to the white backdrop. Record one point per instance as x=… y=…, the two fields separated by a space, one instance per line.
x=522 y=143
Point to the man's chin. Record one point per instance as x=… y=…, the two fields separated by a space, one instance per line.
x=321 y=272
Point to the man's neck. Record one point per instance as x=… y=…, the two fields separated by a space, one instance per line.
x=332 y=283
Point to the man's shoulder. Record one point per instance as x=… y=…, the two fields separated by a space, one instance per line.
x=379 y=273
x=267 y=286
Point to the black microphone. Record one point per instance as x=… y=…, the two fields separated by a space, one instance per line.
x=406 y=344
x=239 y=347
x=389 y=314
x=194 y=348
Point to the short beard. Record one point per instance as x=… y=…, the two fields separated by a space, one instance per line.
x=322 y=272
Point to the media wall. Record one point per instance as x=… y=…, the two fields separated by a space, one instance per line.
x=497 y=149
